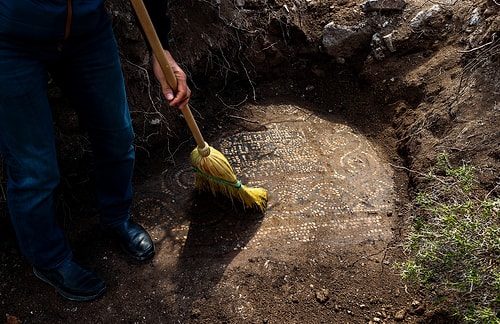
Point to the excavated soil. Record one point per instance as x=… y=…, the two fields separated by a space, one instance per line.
x=336 y=141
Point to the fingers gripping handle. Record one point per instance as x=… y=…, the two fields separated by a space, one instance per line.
x=154 y=41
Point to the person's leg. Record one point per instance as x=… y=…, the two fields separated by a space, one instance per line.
x=93 y=78
x=27 y=145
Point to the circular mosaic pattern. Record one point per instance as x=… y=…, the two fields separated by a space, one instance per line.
x=325 y=183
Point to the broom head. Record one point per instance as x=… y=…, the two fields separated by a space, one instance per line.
x=214 y=173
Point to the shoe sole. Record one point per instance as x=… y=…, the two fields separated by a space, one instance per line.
x=66 y=294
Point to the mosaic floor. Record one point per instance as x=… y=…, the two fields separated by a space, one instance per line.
x=325 y=181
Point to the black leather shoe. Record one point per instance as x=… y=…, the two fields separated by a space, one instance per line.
x=134 y=240
x=73 y=282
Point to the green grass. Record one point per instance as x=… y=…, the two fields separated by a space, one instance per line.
x=454 y=243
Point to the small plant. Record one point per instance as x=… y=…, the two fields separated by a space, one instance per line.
x=454 y=243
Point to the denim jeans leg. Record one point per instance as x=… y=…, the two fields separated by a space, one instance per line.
x=93 y=78
x=28 y=147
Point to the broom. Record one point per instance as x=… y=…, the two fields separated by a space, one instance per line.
x=212 y=169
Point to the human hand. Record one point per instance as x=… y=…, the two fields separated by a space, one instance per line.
x=180 y=97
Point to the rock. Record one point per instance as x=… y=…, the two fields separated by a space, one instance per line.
x=475 y=18
x=418 y=308
x=400 y=315
x=377 y=46
x=383 y=5
x=422 y=17
x=195 y=313
x=388 y=43
x=323 y=295
x=344 y=41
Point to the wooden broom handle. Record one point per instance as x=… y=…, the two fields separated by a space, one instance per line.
x=158 y=52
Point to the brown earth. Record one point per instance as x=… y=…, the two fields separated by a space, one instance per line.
x=438 y=91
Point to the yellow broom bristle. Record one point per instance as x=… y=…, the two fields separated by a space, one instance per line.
x=215 y=174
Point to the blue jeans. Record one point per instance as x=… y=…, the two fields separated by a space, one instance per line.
x=87 y=67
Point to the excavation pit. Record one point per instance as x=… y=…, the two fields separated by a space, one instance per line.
x=323 y=134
